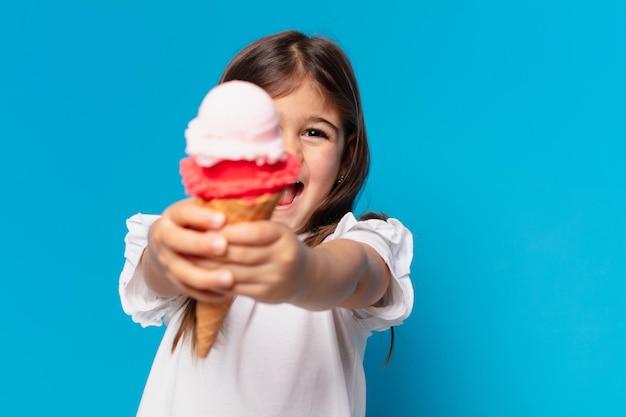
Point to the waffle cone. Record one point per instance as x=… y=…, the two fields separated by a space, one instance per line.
x=210 y=316
x=239 y=210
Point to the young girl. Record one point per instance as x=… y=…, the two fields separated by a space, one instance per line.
x=310 y=284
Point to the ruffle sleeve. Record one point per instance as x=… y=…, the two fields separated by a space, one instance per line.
x=394 y=243
x=138 y=301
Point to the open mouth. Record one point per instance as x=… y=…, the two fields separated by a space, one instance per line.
x=290 y=194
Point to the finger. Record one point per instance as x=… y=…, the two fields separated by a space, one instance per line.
x=257 y=233
x=188 y=241
x=191 y=277
x=237 y=255
x=210 y=263
x=189 y=214
x=252 y=275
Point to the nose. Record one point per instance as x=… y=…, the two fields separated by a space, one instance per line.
x=292 y=144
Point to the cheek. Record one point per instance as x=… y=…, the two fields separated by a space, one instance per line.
x=323 y=171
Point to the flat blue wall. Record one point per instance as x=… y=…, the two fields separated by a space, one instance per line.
x=498 y=135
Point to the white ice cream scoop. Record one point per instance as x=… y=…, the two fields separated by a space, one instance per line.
x=236 y=121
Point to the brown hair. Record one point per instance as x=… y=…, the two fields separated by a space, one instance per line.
x=279 y=64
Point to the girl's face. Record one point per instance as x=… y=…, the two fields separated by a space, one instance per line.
x=312 y=131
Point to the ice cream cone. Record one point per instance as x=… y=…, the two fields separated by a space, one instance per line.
x=236 y=164
x=210 y=316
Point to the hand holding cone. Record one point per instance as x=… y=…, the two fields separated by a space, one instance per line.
x=210 y=316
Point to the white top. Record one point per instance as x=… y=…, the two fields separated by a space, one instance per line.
x=269 y=360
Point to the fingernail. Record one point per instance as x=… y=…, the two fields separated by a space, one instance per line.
x=225 y=278
x=218 y=244
x=218 y=218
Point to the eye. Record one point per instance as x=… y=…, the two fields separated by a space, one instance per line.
x=316 y=133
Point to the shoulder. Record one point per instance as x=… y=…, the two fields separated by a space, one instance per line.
x=394 y=243
x=391 y=229
x=390 y=238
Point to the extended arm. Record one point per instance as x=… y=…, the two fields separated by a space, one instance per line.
x=344 y=273
x=189 y=252
x=270 y=264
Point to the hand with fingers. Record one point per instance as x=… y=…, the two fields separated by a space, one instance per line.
x=180 y=245
x=265 y=260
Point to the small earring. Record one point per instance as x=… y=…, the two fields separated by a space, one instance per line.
x=340 y=180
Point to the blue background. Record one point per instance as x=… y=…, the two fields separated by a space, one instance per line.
x=498 y=135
